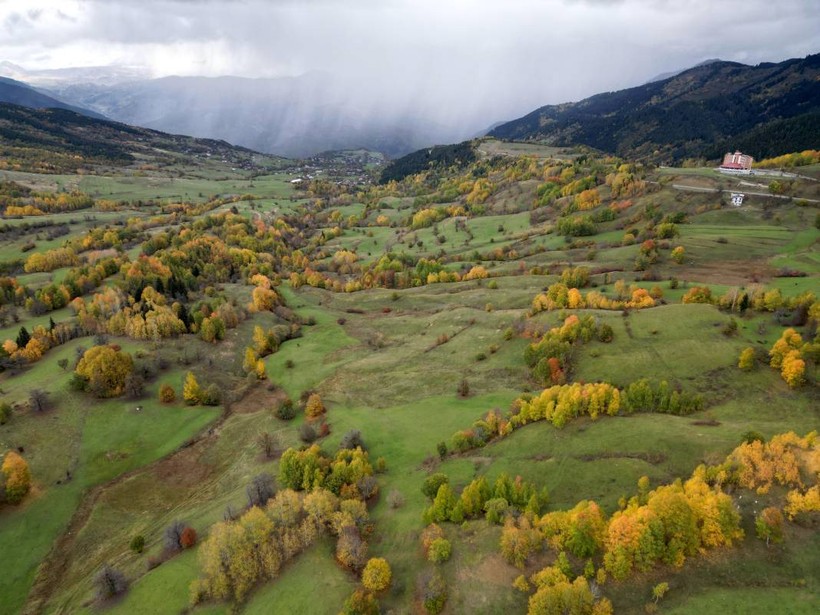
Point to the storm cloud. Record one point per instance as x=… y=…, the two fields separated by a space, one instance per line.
x=459 y=62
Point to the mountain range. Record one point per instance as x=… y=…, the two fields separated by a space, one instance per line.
x=289 y=116
x=18 y=93
x=768 y=109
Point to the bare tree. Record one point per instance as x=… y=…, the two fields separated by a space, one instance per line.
x=173 y=535
x=109 y=582
x=260 y=490
x=38 y=399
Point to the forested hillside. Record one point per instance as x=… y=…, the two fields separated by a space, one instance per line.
x=768 y=109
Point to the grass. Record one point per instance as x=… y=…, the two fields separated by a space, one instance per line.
x=388 y=364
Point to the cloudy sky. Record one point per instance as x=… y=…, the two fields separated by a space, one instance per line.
x=488 y=58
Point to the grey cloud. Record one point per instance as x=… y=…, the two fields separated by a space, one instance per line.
x=472 y=63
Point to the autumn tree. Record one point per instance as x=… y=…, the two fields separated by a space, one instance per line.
x=105 y=370
x=747 y=359
x=769 y=525
x=16 y=479
x=439 y=550
x=167 y=394
x=314 y=407
x=376 y=576
x=191 y=392
x=360 y=602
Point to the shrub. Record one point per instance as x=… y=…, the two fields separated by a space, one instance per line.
x=211 y=396
x=377 y=576
x=167 y=395
x=137 y=543
x=360 y=602
x=432 y=483
x=747 y=359
x=441 y=447
x=439 y=551
x=605 y=333
x=286 y=410
x=463 y=388
x=314 y=406
x=395 y=499
x=433 y=591
x=5 y=413
x=496 y=509
x=109 y=582
x=188 y=538
x=352 y=439
x=307 y=433
x=38 y=400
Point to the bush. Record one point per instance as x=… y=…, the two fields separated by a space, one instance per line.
x=395 y=499
x=307 y=433
x=439 y=551
x=360 y=602
x=377 y=576
x=109 y=582
x=137 y=543
x=38 y=400
x=286 y=410
x=188 y=538
x=463 y=388
x=211 y=396
x=5 y=413
x=167 y=395
x=432 y=483
x=496 y=510
x=352 y=439
x=605 y=333
x=433 y=591
x=441 y=447
x=314 y=406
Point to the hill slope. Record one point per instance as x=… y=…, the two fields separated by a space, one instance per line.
x=57 y=140
x=700 y=112
x=17 y=93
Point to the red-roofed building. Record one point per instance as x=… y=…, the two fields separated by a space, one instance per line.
x=737 y=163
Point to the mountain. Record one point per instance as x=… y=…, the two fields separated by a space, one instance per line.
x=673 y=73
x=59 y=140
x=56 y=78
x=770 y=108
x=290 y=116
x=17 y=93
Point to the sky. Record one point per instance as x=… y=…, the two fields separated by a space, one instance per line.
x=493 y=59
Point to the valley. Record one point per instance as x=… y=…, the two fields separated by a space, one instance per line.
x=529 y=356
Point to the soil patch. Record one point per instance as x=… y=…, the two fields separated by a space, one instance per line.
x=653 y=458
x=259 y=398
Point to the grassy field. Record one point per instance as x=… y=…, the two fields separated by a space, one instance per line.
x=388 y=362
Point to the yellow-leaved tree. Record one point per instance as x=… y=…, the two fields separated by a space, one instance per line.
x=15 y=479
x=376 y=576
x=105 y=369
x=191 y=392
